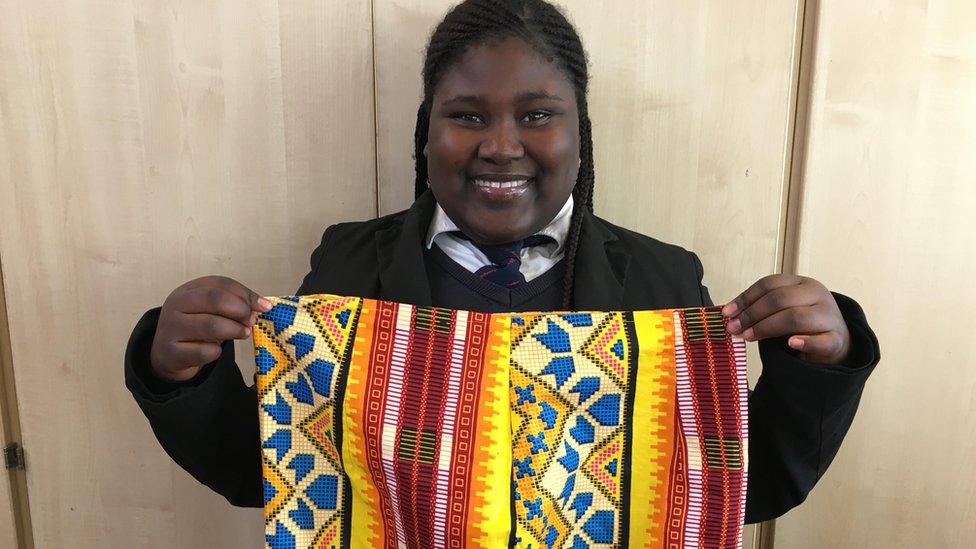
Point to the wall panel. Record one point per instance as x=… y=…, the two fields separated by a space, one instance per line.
x=888 y=202
x=143 y=144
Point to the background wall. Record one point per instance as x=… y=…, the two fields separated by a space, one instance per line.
x=143 y=144
x=888 y=213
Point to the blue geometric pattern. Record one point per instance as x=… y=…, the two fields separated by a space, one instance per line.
x=579 y=320
x=585 y=388
x=280 y=442
x=281 y=539
x=300 y=389
x=583 y=431
x=561 y=367
x=281 y=316
x=302 y=515
x=606 y=409
x=302 y=464
x=264 y=361
x=280 y=411
x=323 y=491
x=600 y=526
x=320 y=372
x=571 y=459
x=304 y=343
x=580 y=512
x=303 y=487
x=548 y=414
x=556 y=339
x=581 y=503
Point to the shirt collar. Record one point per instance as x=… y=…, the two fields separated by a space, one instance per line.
x=558 y=228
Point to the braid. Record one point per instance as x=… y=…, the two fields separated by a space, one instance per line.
x=545 y=28
x=420 y=141
x=582 y=202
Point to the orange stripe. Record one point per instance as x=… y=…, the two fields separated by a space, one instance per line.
x=367 y=525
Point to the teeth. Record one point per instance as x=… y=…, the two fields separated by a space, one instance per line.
x=500 y=184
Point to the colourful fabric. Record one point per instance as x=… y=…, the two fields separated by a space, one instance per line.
x=390 y=425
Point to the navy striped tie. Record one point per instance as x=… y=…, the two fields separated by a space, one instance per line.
x=506 y=259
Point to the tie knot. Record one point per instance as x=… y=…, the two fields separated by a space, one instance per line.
x=506 y=258
x=502 y=254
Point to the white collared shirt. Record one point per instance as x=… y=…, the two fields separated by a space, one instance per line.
x=535 y=259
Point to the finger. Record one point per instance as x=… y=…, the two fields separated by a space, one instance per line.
x=215 y=300
x=196 y=353
x=792 y=321
x=826 y=344
x=254 y=301
x=757 y=290
x=211 y=328
x=772 y=302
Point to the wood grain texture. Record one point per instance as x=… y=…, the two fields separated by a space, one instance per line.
x=887 y=215
x=143 y=144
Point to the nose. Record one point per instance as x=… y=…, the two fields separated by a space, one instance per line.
x=502 y=143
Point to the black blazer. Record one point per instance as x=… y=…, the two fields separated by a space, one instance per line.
x=799 y=412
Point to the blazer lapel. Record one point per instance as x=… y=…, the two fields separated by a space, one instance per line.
x=601 y=269
x=400 y=255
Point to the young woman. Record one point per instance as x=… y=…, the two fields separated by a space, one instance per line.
x=503 y=221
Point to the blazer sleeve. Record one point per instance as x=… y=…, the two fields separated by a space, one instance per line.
x=799 y=413
x=209 y=424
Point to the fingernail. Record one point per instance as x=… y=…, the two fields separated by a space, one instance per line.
x=247 y=332
x=729 y=309
x=734 y=325
x=796 y=343
x=748 y=334
x=264 y=305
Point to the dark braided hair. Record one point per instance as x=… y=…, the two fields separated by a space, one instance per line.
x=545 y=28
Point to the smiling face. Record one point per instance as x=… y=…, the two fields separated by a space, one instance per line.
x=503 y=145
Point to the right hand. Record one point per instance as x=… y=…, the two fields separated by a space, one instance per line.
x=196 y=318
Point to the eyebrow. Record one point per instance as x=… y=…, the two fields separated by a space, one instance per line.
x=520 y=98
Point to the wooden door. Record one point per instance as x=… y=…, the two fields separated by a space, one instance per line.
x=888 y=213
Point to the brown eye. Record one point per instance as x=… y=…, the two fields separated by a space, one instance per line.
x=536 y=118
x=468 y=118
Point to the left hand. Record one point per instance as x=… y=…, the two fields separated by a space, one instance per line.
x=796 y=307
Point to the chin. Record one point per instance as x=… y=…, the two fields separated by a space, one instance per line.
x=494 y=237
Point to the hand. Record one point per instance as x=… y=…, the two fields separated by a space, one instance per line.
x=196 y=318
x=794 y=306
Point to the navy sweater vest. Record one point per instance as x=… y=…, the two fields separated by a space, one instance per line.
x=453 y=286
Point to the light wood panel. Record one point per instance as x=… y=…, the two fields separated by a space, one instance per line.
x=888 y=214
x=143 y=144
